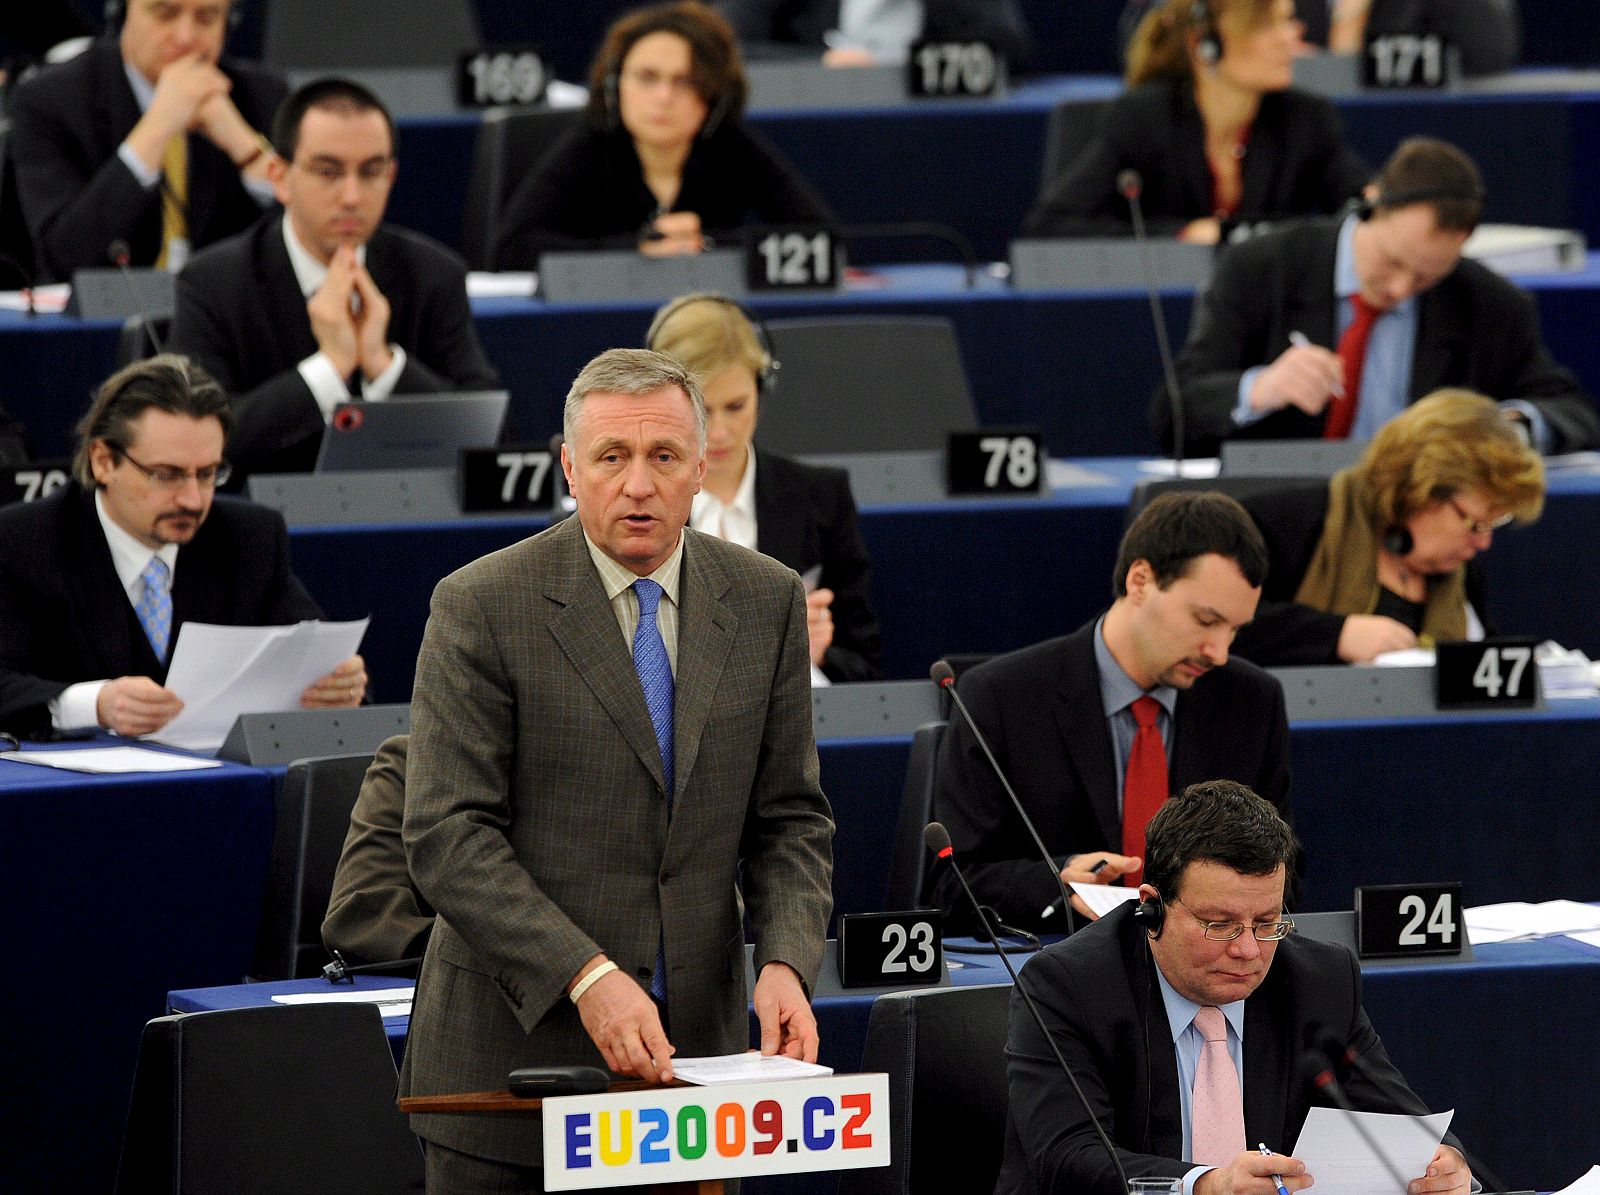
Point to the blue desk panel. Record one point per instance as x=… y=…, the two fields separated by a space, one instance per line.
x=1463 y=1035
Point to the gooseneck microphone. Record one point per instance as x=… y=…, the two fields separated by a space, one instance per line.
x=937 y=839
x=118 y=253
x=1131 y=186
x=339 y=971
x=1316 y=1064
x=944 y=676
x=1331 y=1054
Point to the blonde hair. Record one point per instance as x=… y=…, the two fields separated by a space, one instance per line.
x=1441 y=445
x=1160 y=45
x=708 y=333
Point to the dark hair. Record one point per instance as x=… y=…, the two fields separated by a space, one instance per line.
x=167 y=383
x=1427 y=170
x=331 y=95
x=1215 y=821
x=1177 y=529
x=714 y=61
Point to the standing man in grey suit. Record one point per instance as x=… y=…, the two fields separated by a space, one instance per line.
x=611 y=763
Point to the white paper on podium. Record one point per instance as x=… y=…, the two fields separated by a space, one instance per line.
x=1102 y=898
x=750 y=1067
x=221 y=672
x=1338 y=1157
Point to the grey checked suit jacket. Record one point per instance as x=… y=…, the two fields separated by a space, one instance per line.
x=536 y=826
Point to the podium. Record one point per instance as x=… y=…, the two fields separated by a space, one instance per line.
x=680 y=1137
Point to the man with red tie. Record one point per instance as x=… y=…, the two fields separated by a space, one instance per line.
x=1329 y=328
x=1186 y=1023
x=1095 y=729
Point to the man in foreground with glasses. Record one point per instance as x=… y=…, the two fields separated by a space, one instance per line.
x=97 y=578
x=323 y=304
x=1160 y=1008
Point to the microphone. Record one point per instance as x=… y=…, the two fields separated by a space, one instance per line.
x=340 y=971
x=937 y=839
x=1131 y=185
x=945 y=677
x=1328 y=1048
x=120 y=255
x=1315 y=1063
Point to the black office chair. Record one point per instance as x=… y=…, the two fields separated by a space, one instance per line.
x=866 y=384
x=944 y=1052
x=511 y=141
x=1072 y=125
x=267 y=1101
x=313 y=817
x=908 y=860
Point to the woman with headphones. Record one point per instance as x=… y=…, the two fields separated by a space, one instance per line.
x=1212 y=127
x=663 y=162
x=800 y=515
x=1379 y=558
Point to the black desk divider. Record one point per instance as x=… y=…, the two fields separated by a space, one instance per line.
x=874 y=709
x=117 y=294
x=1340 y=693
x=407 y=91
x=626 y=275
x=785 y=86
x=1094 y=263
x=368 y=496
x=1340 y=928
x=1289 y=458
x=265 y=740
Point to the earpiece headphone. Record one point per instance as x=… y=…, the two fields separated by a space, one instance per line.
x=117 y=10
x=766 y=377
x=1364 y=207
x=1150 y=915
x=1209 y=47
x=1397 y=541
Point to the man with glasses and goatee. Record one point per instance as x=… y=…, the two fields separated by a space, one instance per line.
x=1185 y=1018
x=97 y=578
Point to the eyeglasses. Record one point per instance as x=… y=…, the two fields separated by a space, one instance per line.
x=371 y=173
x=1477 y=526
x=649 y=80
x=1227 y=931
x=165 y=477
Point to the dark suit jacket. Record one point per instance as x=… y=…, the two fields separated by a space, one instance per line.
x=65 y=617
x=1284 y=632
x=77 y=196
x=770 y=29
x=536 y=823
x=1040 y=710
x=1297 y=165
x=241 y=315
x=1097 y=992
x=375 y=913
x=806 y=516
x=589 y=192
x=1474 y=329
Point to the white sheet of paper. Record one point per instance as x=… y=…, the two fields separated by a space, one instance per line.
x=222 y=672
x=1102 y=898
x=509 y=284
x=112 y=760
x=1199 y=467
x=1518 y=918
x=1588 y=1184
x=1340 y=1160
x=744 y=1068
x=391 y=1002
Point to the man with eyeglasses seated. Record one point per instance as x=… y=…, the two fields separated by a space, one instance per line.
x=1185 y=1019
x=322 y=303
x=98 y=578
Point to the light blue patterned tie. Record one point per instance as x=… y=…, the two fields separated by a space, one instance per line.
x=655 y=675
x=155 y=605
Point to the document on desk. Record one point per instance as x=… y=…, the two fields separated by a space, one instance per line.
x=1337 y=1155
x=749 y=1067
x=221 y=672
x=112 y=761
x=391 y=1002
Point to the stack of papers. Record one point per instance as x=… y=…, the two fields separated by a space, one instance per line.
x=1520 y=921
x=112 y=760
x=1353 y=1153
x=744 y=1068
x=391 y=1002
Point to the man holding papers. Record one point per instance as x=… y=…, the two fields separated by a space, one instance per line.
x=97 y=579
x=1186 y=1018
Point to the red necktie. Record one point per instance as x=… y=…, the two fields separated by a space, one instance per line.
x=1353 y=353
x=1144 y=786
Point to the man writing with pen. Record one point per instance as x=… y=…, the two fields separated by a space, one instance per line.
x=1185 y=1019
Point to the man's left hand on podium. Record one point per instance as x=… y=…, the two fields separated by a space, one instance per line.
x=788 y=1025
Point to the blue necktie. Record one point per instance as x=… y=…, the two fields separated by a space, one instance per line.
x=155 y=606
x=655 y=675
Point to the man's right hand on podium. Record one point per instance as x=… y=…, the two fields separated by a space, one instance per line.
x=621 y=1019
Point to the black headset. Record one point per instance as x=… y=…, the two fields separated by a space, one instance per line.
x=766 y=376
x=1150 y=915
x=117 y=10
x=1397 y=541
x=1364 y=207
x=1209 y=47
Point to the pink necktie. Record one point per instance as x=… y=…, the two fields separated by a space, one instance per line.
x=1217 y=1119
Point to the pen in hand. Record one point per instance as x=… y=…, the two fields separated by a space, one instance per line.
x=1277 y=1179
x=1301 y=341
x=1050 y=909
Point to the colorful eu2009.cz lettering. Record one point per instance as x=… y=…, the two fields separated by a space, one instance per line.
x=837 y=1122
